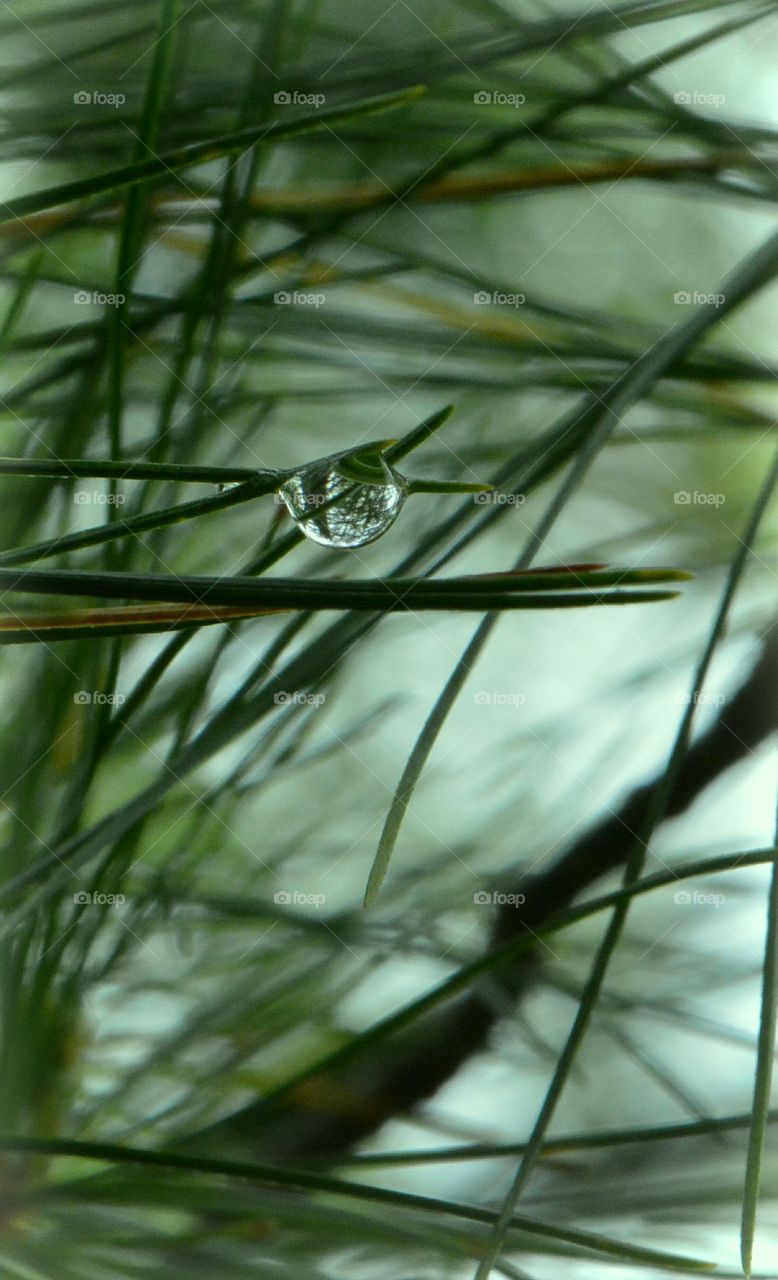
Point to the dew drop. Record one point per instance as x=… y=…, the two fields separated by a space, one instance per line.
x=312 y=498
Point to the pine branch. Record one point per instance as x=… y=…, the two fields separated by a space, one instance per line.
x=333 y=1111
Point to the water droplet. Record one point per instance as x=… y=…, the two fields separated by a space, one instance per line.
x=224 y=486
x=365 y=511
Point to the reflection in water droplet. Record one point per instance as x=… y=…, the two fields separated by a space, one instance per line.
x=365 y=512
